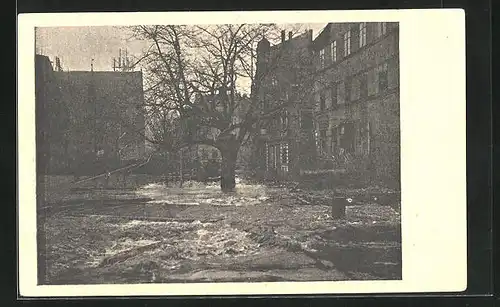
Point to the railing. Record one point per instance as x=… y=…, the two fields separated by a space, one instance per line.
x=127 y=168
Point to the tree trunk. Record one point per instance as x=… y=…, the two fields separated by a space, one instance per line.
x=228 y=167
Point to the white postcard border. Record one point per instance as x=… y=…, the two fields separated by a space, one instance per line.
x=433 y=162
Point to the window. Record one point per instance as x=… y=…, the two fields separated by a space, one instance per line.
x=204 y=154
x=363 y=86
x=284 y=120
x=275 y=123
x=348 y=137
x=368 y=138
x=322 y=102
x=277 y=155
x=274 y=82
x=271 y=156
x=362 y=34
x=265 y=104
x=347 y=43
x=322 y=58
x=306 y=121
x=348 y=89
x=322 y=140
x=285 y=94
x=382 y=78
x=316 y=139
x=381 y=28
x=215 y=154
x=333 y=51
x=334 y=140
x=284 y=153
x=333 y=94
x=266 y=150
x=272 y=163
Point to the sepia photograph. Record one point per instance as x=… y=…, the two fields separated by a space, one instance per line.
x=231 y=152
x=227 y=152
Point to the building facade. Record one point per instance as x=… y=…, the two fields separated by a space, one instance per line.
x=84 y=117
x=348 y=115
x=357 y=98
x=283 y=75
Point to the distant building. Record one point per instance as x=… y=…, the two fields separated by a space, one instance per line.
x=84 y=117
x=207 y=153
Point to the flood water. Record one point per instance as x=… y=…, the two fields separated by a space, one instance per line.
x=162 y=233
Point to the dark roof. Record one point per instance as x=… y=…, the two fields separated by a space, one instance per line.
x=43 y=62
x=264 y=41
x=300 y=40
x=323 y=38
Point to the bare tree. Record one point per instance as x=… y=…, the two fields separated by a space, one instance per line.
x=194 y=77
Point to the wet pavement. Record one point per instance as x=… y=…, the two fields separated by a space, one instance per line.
x=158 y=233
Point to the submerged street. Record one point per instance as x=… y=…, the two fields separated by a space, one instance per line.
x=159 y=233
x=131 y=159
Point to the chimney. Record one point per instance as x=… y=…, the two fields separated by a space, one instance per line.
x=290 y=35
x=58 y=64
x=283 y=35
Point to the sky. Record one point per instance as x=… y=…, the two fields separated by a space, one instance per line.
x=77 y=46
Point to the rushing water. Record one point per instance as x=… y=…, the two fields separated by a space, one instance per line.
x=199 y=231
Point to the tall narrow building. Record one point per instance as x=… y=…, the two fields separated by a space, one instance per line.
x=282 y=86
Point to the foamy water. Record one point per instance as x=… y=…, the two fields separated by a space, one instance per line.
x=221 y=241
x=196 y=193
x=117 y=247
x=143 y=223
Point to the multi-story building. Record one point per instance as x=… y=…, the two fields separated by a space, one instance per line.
x=348 y=107
x=282 y=84
x=357 y=97
x=87 y=116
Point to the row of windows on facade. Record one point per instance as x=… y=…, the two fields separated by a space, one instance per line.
x=344 y=136
x=362 y=33
x=382 y=84
x=382 y=81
